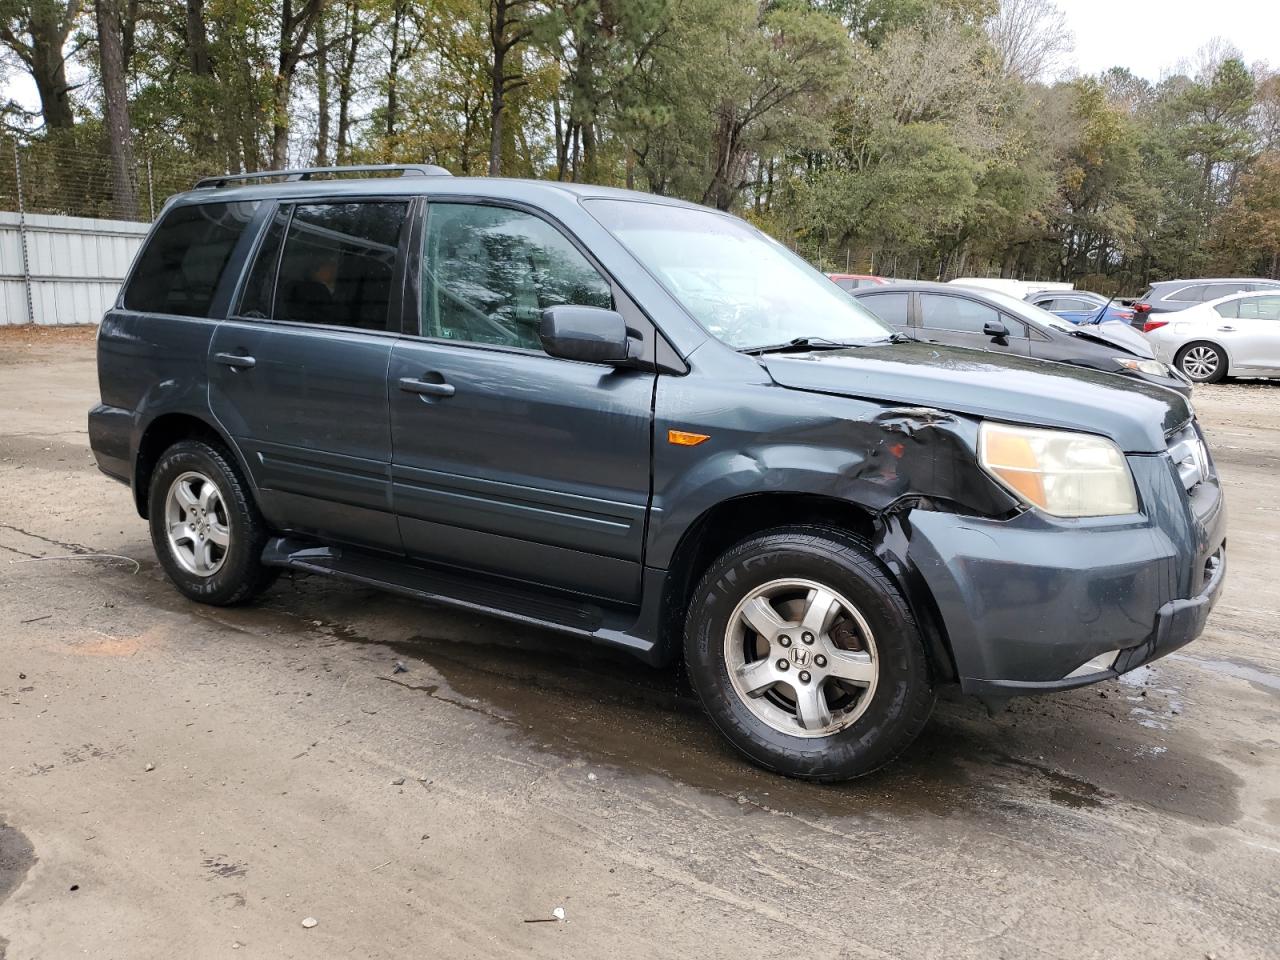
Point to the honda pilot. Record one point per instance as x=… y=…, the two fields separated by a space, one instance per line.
x=643 y=424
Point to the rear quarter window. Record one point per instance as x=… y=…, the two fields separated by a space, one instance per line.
x=1190 y=294
x=183 y=260
x=889 y=307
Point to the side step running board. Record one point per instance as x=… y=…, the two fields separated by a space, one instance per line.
x=615 y=627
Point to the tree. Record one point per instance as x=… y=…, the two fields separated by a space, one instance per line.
x=112 y=66
x=37 y=32
x=922 y=124
x=1247 y=239
x=1030 y=37
x=295 y=26
x=511 y=23
x=357 y=25
x=784 y=64
x=1096 y=220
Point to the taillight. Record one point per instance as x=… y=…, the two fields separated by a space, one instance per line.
x=1141 y=307
x=1154 y=325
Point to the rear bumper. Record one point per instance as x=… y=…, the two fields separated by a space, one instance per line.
x=1027 y=603
x=110 y=433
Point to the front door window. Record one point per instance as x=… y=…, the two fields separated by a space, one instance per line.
x=489 y=272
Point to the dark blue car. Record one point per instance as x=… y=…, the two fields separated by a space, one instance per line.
x=1081 y=306
x=645 y=424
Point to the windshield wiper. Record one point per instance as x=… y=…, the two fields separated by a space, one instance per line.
x=801 y=343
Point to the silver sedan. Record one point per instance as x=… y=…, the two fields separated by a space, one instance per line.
x=1237 y=336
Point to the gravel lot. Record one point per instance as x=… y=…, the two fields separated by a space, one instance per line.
x=181 y=781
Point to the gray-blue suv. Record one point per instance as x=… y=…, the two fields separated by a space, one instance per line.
x=644 y=424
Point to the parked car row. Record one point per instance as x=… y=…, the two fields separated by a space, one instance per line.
x=1196 y=331
x=990 y=320
x=1170 y=296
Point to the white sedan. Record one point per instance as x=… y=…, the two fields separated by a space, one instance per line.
x=1237 y=336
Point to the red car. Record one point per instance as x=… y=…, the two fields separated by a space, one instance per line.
x=851 y=281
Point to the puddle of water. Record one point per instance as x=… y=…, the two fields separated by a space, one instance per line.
x=1261 y=679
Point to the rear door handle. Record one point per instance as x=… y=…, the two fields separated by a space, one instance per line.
x=426 y=387
x=1226 y=329
x=234 y=360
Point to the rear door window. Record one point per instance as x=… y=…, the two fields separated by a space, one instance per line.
x=943 y=312
x=892 y=308
x=1259 y=308
x=258 y=298
x=1073 y=303
x=179 y=269
x=1230 y=309
x=328 y=263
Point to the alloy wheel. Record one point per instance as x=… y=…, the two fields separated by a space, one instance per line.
x=1200 y=363
x=196 y=521
x=801 y=657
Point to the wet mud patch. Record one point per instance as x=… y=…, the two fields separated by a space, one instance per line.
x=638 y=720
x=16 y=857
x=1068 y=753
x=1071 y=754
x=1096 y=751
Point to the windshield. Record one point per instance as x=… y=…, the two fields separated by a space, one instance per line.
x=743 y=287
x=1029 y=311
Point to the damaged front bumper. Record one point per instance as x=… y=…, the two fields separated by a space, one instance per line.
x=1034 y=605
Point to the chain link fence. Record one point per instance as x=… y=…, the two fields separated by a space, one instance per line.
x=68 y=179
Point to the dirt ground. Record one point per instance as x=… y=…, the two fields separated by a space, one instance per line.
x=180 y=781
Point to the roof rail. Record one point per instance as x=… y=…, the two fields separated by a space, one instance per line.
x=306 y=173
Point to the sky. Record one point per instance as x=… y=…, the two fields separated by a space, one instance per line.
x=1150 y=37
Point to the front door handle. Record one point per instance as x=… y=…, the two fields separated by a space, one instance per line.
x=426 y=387
x=234 y=360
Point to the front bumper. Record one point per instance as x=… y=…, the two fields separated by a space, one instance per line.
x=1178 y=622
x=1027 y=602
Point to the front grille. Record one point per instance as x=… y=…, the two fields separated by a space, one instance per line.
x=1189 y=455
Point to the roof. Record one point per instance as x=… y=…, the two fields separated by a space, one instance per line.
x=906 y=286
x=488 y=187
x=1161 y=283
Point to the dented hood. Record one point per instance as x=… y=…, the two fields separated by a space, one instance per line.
x=1113 y=333
x=1136 y=415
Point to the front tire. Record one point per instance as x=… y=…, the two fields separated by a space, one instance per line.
x=1202 y=362
x=207 y=532
x=806 y=656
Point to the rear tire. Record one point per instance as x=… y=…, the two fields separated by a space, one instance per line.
x=207 y=531
x=1202 y=362
x=806 y=656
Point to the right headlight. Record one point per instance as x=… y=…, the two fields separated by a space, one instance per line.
x=1062 y=473
x=1152 y=368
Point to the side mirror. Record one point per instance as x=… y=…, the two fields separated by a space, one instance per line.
x=995 y=329
x=587 y=334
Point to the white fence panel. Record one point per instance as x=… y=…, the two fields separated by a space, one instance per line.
x=72 y=268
